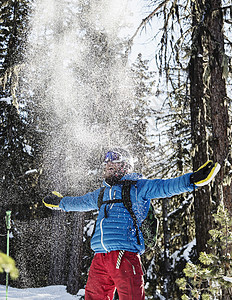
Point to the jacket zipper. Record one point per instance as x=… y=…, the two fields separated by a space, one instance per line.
x=136 y=193
x=101 y=228
x=102 y=236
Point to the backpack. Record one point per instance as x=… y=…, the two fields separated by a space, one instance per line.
x=149 y=227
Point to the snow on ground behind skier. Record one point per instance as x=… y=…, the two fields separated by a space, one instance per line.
x=57 y=292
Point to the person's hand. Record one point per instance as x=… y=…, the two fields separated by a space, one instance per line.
x=52 y=200
x=205 y=173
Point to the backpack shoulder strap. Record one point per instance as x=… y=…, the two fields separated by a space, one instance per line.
x=100 y=196
x=126 y=199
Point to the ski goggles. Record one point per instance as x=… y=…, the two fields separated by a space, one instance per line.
x=114 y=157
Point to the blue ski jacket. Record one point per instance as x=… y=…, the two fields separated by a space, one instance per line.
x=117 y=232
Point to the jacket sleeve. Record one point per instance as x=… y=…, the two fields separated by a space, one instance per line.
x=82 y=203
x=162 y=188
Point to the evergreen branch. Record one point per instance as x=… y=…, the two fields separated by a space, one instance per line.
x=183 y=206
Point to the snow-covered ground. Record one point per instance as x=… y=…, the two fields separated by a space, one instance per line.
x=45 y=293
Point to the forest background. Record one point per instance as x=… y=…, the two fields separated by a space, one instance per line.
x=70 y=88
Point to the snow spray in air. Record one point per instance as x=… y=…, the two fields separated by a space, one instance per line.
x=78 y=80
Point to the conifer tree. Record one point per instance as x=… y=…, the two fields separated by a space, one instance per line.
x=139 y=120
x=19 y=169
x=212 y=275
x=196 y=50
x=17 y=132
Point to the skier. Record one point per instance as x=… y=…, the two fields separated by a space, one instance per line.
x=117 y=240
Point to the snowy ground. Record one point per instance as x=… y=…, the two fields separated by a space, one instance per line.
x=46 y=293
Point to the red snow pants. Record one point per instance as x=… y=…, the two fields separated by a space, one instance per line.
x=104 y=278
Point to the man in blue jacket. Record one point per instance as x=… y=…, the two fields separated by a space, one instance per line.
x=123 y=204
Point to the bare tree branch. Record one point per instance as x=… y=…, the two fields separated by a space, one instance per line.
x=147 y=19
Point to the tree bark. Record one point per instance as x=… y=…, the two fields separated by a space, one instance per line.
x=74 y=274
x=219 y=111
x=57 y=274
x=199 y=137
x=219 y=102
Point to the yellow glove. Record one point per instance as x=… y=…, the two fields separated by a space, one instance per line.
x=205 y=173
x=52 y=201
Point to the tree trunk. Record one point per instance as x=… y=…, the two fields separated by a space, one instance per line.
x=73 y=283
x=30 y=247
x=219 y=111
x=57 y=274
x=199 y=137
x=219 y=102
